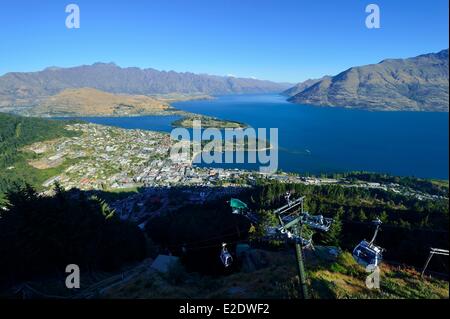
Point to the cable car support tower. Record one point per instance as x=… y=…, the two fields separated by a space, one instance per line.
x=291 y=219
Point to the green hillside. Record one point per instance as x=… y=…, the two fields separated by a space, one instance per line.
x=17 y=132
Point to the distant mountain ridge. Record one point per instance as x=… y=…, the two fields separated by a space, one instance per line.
x=28 y=88
x=415 y=84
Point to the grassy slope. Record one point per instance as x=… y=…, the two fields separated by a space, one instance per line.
x=328 y=279
x=346 y=279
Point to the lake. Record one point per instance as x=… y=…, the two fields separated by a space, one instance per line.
x=324 y=140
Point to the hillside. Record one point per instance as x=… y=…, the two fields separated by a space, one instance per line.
x=47 y=232
x=17 y=132
x=276 y=277
x=92 y=102
x=300 y=87
x=414 y=84
x=27 y=89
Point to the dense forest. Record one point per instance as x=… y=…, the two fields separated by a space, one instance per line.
x=435 y=187
x=40 y=236
x=15 y=133
x=430 y=186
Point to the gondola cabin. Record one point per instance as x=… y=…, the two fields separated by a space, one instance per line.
x=238 y=206
x=225 y=256
x=366 y=253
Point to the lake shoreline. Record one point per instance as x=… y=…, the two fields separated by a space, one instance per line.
x=337 y=140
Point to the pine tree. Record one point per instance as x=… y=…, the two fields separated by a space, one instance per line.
x=384 y=217
x=333 y=236
x=362 y=215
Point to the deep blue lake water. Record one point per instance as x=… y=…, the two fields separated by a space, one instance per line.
x=319 y=139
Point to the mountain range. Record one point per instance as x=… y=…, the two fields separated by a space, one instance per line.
x=415 y=84
x=31 y=88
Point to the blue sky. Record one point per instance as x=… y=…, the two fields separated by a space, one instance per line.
x=280 y=40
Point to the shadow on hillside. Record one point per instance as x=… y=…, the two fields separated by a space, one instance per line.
x=188 y=222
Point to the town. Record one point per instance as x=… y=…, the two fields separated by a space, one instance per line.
x=119 y=160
